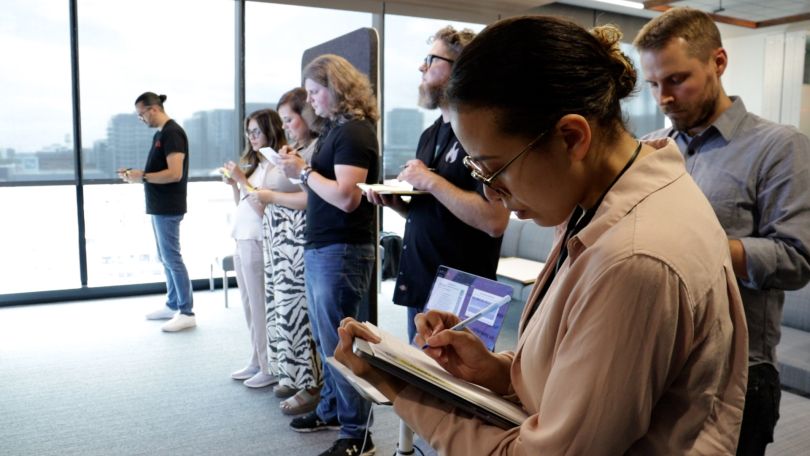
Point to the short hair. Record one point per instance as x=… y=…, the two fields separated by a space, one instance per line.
x=270 y=124
x=296 y=99
x=694 y=26
x=151 y=99
x=533 y=70
x=349 y=89
x=455 y=40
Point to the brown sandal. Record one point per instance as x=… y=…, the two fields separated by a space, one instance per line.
x=284 y=391
x=302 y=402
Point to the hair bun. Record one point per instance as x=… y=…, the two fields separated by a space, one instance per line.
x=162 y=98
x=609 y=36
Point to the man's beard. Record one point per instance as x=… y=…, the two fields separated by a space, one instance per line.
x=430 y=97
x=699 y=121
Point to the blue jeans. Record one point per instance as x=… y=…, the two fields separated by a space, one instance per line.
x=337 y=278
x=178 y=285
x=412 y=311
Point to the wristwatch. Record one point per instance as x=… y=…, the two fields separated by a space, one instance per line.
x=143 y=177
x=304 y=175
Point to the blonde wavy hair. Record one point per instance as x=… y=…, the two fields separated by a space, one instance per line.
x=350 y=92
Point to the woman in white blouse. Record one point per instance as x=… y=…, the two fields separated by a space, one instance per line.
x=263 y=128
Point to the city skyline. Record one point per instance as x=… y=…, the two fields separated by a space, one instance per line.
x=211 y=142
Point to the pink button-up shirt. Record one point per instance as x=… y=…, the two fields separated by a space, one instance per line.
x=638 y=347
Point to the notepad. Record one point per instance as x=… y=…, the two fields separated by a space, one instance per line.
x=361 y=385
x=408 y=363
x=227 y=174
x=391 y=188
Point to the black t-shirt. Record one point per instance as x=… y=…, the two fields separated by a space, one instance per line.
x=433 y=235
x=167 y=199
x=352 y=143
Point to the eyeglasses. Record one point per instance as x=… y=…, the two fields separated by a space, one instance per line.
x=431 y=57
x=478 y=173
x=142 y=113
x=254 y=133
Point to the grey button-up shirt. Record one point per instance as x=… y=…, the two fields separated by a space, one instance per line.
x=756 y=174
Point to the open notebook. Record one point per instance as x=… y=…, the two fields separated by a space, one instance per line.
x=409 y=363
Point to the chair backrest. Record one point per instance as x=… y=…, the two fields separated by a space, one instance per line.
x=535 y=241
x=796 y=312
x=526 y=239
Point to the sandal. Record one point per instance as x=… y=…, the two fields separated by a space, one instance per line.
x=283 y=391
x=302 y=402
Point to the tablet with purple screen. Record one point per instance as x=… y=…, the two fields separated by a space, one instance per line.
x=464 y=294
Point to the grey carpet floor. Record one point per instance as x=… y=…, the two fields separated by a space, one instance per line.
x=94 y=378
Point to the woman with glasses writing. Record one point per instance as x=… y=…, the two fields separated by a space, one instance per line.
x=263 y=129
x=340 y=236
x=633 y=340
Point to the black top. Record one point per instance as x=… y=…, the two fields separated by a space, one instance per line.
x=433 y=235
x=167 y=199
x=352 y=143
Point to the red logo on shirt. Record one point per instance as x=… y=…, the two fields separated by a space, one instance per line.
x=157 y=144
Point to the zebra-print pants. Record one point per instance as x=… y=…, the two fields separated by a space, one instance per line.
x=292 y=354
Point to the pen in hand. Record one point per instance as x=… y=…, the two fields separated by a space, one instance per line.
x=487 y=309
x=405 y=166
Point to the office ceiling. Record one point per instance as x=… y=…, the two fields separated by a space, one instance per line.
x=744 y=13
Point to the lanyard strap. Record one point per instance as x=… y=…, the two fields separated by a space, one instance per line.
x=579 y=219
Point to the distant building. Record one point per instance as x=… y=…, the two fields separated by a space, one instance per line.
x=402 y=130
x=128 y=143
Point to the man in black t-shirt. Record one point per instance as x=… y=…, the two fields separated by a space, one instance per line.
x=454 y=225
x=165 y=179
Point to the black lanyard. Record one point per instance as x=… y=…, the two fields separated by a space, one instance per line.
x=580 y=218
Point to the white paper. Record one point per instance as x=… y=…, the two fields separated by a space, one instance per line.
x=271 y=155
x=447 y=295
x=480 y=299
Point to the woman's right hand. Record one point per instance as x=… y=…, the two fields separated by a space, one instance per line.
x=235 y=171
x=461 y=353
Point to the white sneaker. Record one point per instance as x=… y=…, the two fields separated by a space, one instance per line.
x=161 y=314
x=261 y=380
x=246 y=373
x=180 y=322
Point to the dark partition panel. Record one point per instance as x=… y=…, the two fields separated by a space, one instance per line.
x=360 y=47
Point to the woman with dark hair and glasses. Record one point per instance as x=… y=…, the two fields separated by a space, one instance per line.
x=263 y=128
x=633 y=340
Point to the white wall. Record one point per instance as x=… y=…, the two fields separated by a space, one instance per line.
x=745 y=75
x=764 y=69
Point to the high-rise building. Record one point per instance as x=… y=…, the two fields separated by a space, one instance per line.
x=402 y=131
x=128 y=143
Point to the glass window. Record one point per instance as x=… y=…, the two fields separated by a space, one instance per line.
x=274 y=45
x=641 y=109
x=38 y=232
x=120 y=243
x=127 y=48
x=36 y=129
x=39 y=239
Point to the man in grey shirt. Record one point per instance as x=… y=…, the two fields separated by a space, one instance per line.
x=755 y=173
